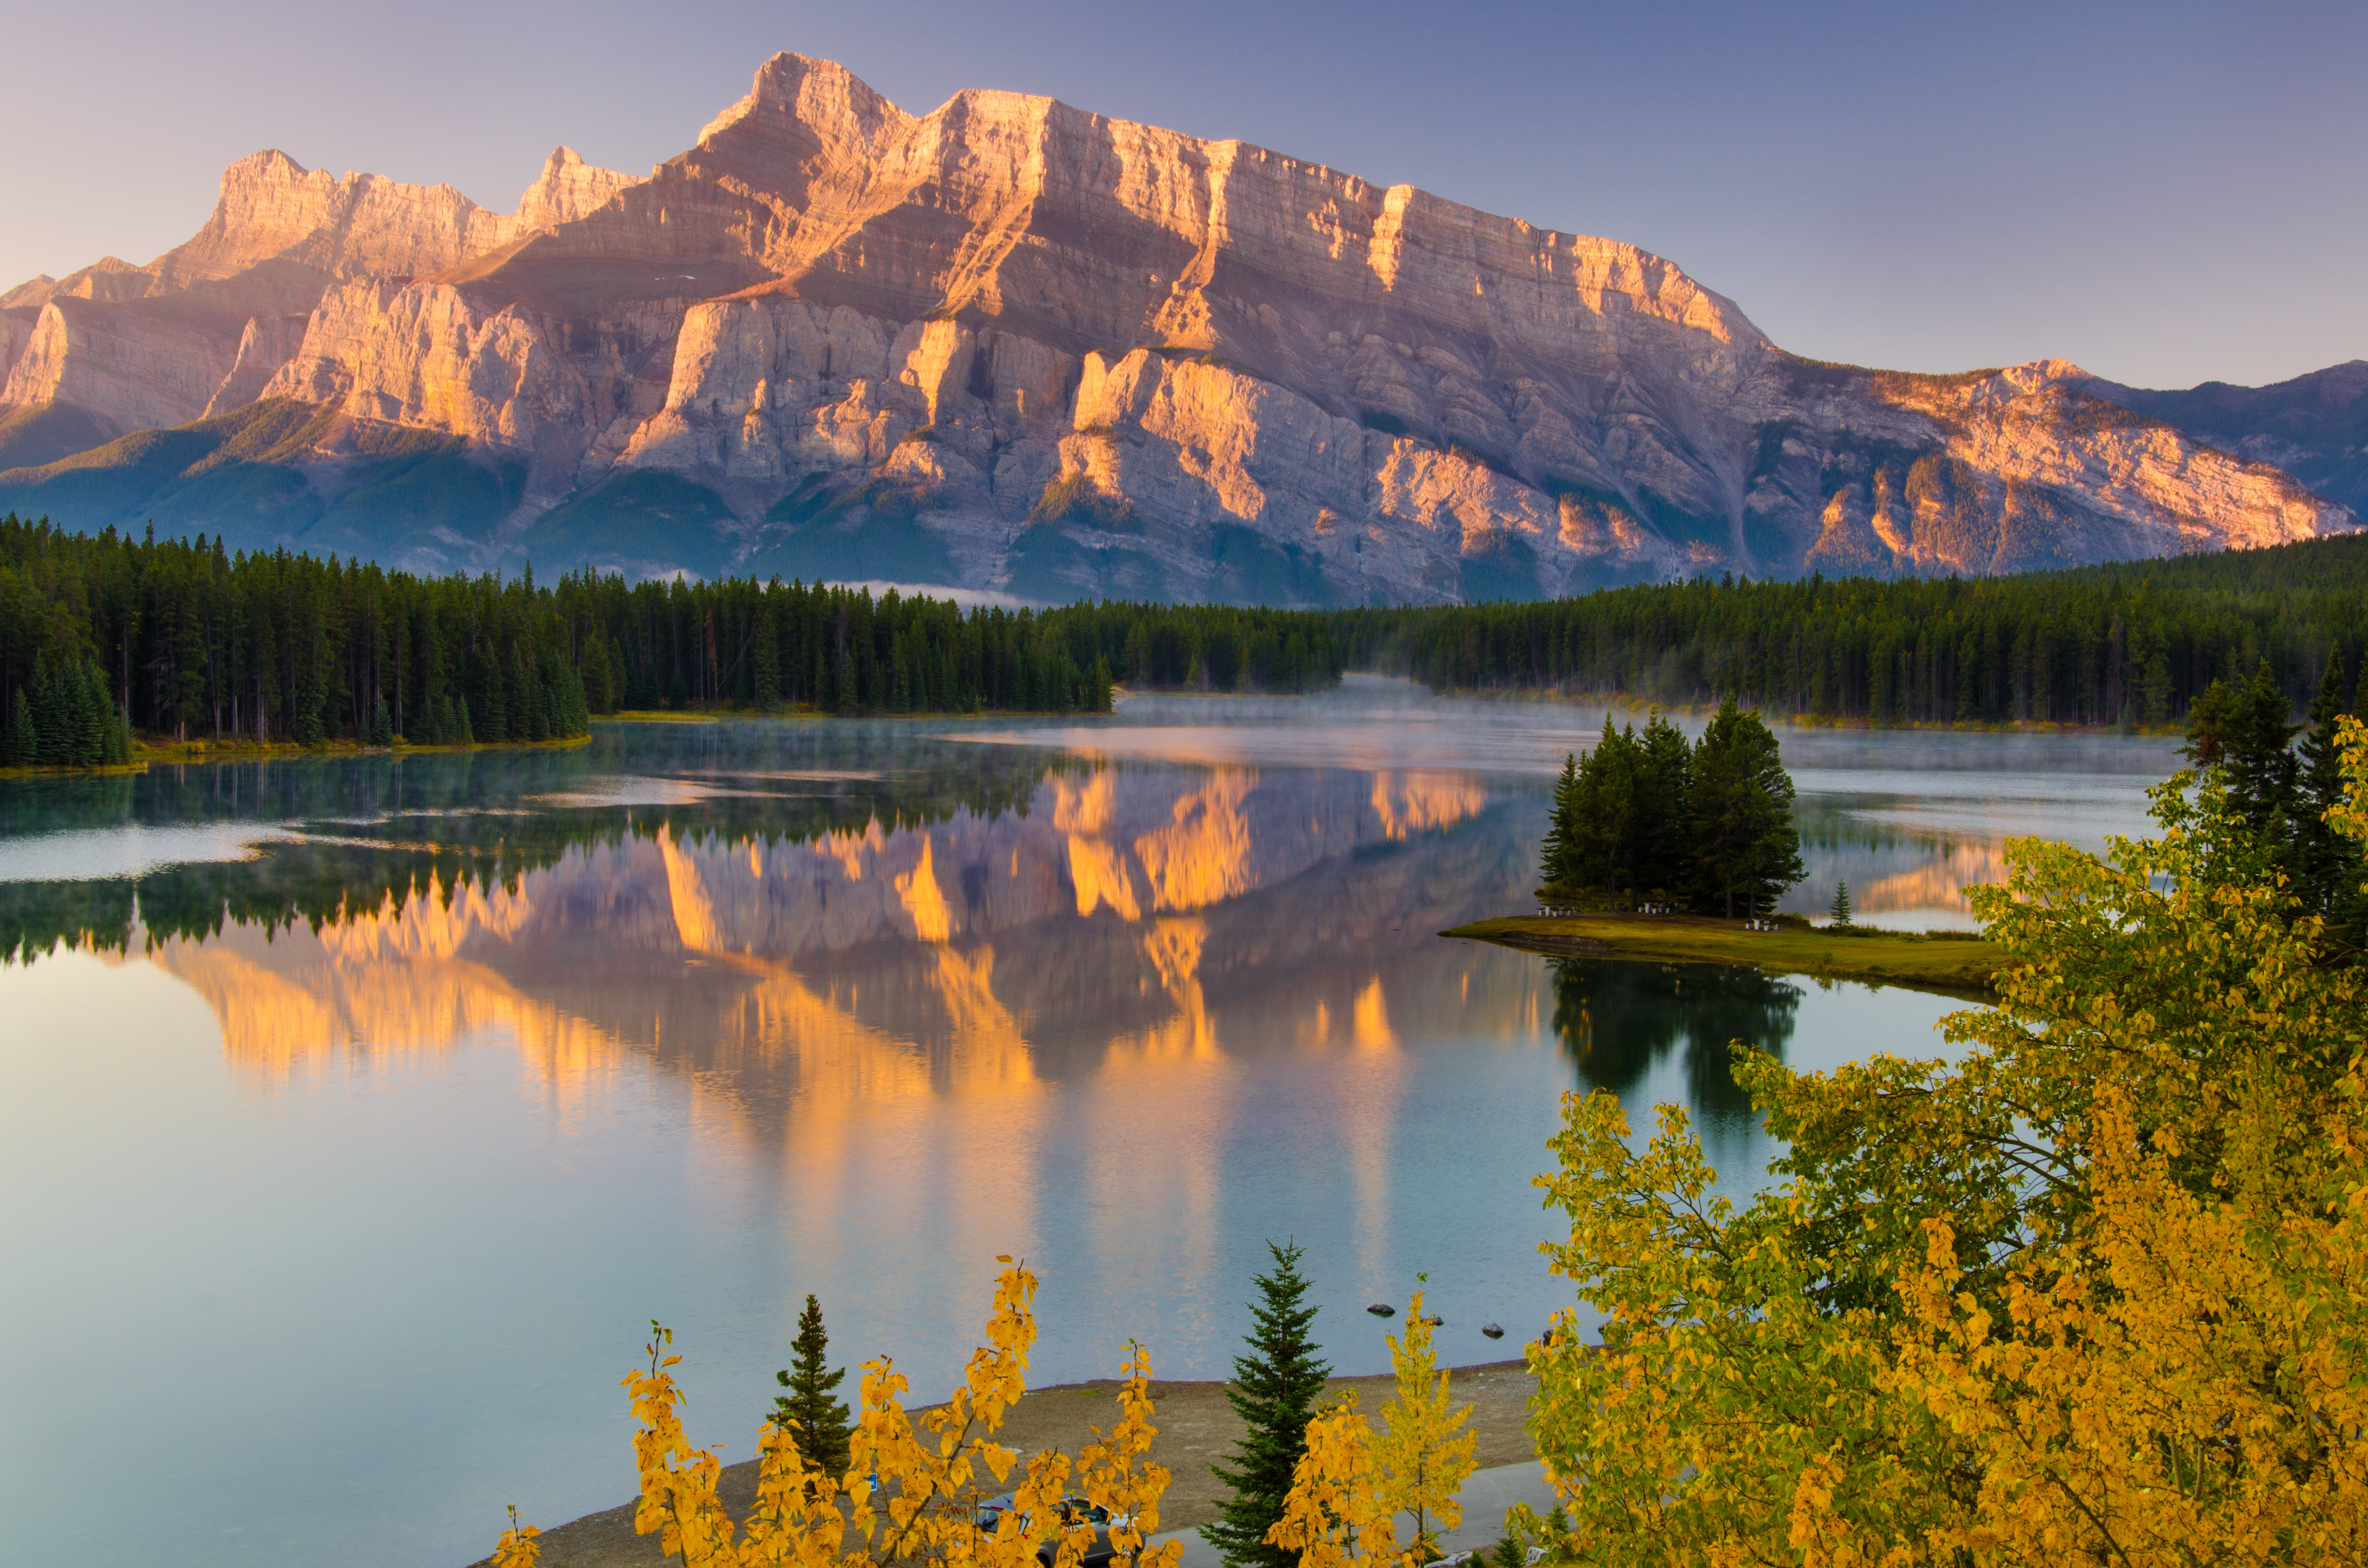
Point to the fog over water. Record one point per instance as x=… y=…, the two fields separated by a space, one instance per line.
x=360 y=1112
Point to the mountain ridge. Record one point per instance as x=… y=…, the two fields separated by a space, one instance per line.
x=1022 y=347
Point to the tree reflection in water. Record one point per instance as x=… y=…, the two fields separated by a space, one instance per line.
x=1618 y=1019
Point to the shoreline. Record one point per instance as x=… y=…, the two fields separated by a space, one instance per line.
x=182 y=754
x=1951 y=966
x=1625 y=703
x=1196 y=1423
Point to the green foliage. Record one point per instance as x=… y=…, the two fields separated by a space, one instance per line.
x=1275 y=1389
x=1656 y=818
x=35 y=434
x=62 y=716
x=185 y=639
x=1839 y=912
x=1739 y=809
x=2280 y=782
x=870 y=532
x=1558 y=865
x=612 y=527
x=822 y=1426
x=1075 y=498
x=2134 y=643
x=2088 y=1293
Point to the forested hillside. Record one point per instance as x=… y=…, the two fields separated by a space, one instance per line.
x=186 y=640
x=190 y=641
x=2129 y=644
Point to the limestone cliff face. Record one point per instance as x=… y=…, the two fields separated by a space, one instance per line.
x=203 y=329
x=1014 y=345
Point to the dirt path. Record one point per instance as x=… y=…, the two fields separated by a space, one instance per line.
x=1196 y=1426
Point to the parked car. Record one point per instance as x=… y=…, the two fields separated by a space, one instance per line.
x=1074 y=1512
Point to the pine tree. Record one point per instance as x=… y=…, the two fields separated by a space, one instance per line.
x=765 y=664
x=1746 y=845
x=1667 y=781
x=2325 y=865
x=1555 y=860
x=822 y=1430
x=382 y=724
x=20 y=745
x=96 y=717
x=2245 y=736
x=1274 y=1391
x=1608 y=831
x=1840 y=912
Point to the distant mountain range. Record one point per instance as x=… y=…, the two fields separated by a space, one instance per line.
x=1014 y=345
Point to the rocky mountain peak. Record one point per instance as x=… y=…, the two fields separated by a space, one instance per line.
x=1014 y=344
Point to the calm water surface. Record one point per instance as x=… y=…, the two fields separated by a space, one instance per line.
x=357 y=1115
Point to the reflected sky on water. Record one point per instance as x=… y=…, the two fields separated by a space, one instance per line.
x=360 y=1112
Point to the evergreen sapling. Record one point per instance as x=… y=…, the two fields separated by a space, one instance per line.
x=823 y=1427
x=1274 y=1391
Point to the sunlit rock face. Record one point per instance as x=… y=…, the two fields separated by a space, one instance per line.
x=1125 y=916
x=201 y=329
x=1015 y=345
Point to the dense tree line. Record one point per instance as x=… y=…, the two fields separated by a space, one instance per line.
x=2281 y=780
x=2132 y=644
x=1655 y=819
x=180 y=638
x=187 y=640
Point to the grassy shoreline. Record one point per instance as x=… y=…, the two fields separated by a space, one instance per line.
x=1953 y=966
x=147 y=753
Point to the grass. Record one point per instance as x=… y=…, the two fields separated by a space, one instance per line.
x=1943 y=962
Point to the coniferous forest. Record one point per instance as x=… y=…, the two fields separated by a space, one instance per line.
x=2132 y=643
x=102 y=635
x=1658 y=821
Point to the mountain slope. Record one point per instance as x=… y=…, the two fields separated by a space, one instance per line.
x=2314 y=426
x=1014 y=345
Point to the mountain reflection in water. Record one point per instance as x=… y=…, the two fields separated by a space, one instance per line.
x=1106 y=910
x=695 y=1019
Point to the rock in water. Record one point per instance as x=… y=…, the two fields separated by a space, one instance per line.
x=1382 y=1310
x=1492 y=1331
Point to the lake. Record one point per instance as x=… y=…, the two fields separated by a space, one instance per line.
x=357 y=1113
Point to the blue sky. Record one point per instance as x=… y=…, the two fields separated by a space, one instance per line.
x=2166 y=193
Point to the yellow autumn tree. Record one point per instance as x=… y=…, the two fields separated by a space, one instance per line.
x=1353 y=1483
x=2095 y=1293
x=923 y=1507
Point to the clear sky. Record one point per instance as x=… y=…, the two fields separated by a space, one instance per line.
x=2164 y=192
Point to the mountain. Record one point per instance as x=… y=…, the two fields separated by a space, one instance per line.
x=1013 y=344
x=2315 y=426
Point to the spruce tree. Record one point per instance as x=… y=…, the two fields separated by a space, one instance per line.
x=765 y=667
x=1274 y=1391
x=2244 y=734
x=20 y=745
x=1667 y=779
x=822 y=1430
x=1840 y=912
x=2325 y=865
x=1746 y=845
x=1554 y=857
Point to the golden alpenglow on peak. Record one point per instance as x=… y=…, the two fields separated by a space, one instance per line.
x=1015 y=345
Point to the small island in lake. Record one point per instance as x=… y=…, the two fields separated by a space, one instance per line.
x=1664 y=849
x=1939 y=961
